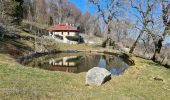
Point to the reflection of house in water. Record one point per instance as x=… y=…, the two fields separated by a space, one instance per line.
x=82 y=63
x=64 y=64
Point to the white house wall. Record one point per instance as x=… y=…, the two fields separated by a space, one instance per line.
x=64 y=34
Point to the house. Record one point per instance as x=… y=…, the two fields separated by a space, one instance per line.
x=64 y=61
x=65 y=33
x=64 y=64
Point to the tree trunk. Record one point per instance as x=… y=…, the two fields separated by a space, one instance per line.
x=154 y=56
x=108 y=40
x=135 y=43
x=145 y=51
x=158 y=47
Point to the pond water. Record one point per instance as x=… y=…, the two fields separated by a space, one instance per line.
x=78 y=62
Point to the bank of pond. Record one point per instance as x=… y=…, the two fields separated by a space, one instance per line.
x=77 y=61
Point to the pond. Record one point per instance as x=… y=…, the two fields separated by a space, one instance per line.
x=78 y=62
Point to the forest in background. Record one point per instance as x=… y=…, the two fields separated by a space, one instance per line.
x=142 y=33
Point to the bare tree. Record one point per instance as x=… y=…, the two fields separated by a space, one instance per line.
x=144 y=17
x=110 y=11
x=165 y=5
x=156 y=34
x=120 y=29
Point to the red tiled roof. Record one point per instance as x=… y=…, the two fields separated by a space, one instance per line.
x=62 y=27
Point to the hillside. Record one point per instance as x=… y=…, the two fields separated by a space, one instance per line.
x=144 y=80
x=52 y=49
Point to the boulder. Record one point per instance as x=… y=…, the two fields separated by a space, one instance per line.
x=97 y=76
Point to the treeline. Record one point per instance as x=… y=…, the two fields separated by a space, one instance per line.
x=44 y=13
x=10 y=14
x=139 y=27
x=11 y=11
x=150 y=21
x=53 y=12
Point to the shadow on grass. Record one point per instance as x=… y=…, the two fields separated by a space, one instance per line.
x=13 y=47
x=22 y=46
x=156 y=63
x=160 y=64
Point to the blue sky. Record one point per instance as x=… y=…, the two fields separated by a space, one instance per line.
x=167 y=40
x=84 y=6
x=80 y=4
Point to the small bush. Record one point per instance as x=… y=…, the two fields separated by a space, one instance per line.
x=72 y=38
x=111 y=43
x=104 y=43
x=24 y=25
x=59 y=37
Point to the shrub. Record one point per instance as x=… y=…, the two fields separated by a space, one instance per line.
x=104 y=43
x=59 y=37
x=111 y=42
x=72 y=38
x=24 y=25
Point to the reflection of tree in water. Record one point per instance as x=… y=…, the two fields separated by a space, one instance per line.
x=113 y=64
x=76 y=59
x=88 y=61
x=83 y=62
x=109 y=59
x=118 y=65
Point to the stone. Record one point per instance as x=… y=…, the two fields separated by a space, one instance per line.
x=97 y=76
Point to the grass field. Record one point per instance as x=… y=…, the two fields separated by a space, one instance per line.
x=145 y=80
x=142 y=81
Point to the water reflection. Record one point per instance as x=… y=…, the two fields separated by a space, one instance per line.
x=81 y=63
x=102 y=62
x=64 y=61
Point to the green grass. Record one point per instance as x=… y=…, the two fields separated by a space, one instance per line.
x=137 y=83
x=64 y=46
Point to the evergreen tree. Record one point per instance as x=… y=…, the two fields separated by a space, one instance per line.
x=18 y=11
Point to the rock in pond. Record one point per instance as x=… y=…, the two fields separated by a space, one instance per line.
x=97 y=76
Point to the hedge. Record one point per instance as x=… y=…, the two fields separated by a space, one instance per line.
x=72 y=38
x=59 y=37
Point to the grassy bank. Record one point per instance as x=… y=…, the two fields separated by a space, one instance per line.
x=145 y=80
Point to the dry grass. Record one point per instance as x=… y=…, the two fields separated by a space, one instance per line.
x=64 y=46
x=137 y=83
